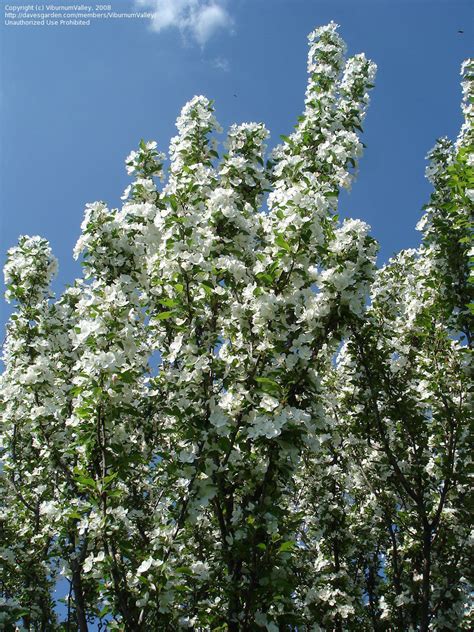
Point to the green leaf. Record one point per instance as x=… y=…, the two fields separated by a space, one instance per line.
x=173 y=202
x=280 y=241
x=164 y=315
x=168 y=302
x=286 y=547
x=85 y=481
x=105 y=611
x=266 y=381
x=184 y=570
x=127 y=376
x=208 y=288
x=84 y=412
x=266 y=278
x=109 y=478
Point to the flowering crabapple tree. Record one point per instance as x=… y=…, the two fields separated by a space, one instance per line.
x=387 y=498
x=211 y=430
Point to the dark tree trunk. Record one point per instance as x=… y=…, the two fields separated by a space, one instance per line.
x=79 y=598
x=425 y=588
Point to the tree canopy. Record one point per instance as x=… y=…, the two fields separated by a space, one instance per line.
x=234 y=420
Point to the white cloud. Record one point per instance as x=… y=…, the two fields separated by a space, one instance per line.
x=198 y=19
x=208 y=20
x=221 y=63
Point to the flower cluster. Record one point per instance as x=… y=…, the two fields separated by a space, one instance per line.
x=29 y=269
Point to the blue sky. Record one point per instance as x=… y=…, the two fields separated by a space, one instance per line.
x=76 y=100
